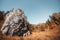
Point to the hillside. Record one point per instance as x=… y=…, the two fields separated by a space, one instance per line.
x=44 y=31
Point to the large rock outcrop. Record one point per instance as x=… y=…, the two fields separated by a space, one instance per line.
x=15 y=24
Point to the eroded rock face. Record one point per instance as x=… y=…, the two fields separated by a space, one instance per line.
x=16 y=24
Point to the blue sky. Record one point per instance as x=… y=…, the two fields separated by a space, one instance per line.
x=37 y=11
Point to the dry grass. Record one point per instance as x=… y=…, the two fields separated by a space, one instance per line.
x=51 y=34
